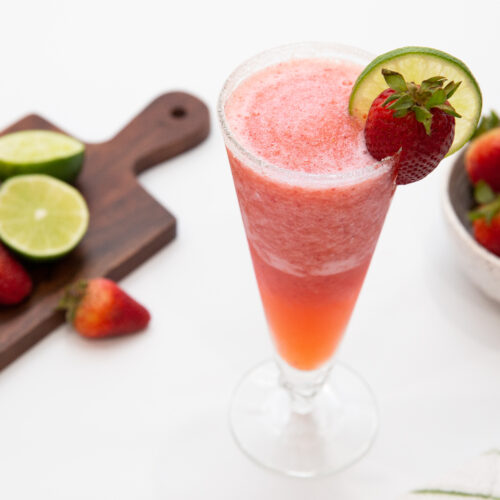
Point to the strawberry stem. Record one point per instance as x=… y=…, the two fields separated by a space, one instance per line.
x=488 y=200
x=71 y=299
x=483 y=192
x=419 y=99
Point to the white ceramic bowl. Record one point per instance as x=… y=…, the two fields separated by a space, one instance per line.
x=481 y=266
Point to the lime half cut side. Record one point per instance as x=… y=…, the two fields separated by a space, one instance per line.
x=40 y=152
x=41 y=218
x=417 y=64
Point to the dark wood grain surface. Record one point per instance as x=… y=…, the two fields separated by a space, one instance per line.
x=127 y=225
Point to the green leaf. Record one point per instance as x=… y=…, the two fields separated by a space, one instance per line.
x=424 y=116
x=448 y=109
x=451 y=88
x=487 y=211
x=483 y=192
x=400 y=113
x=437 y=98
x=475 y=215
x=431 y=84
x=425 y=88
x=395 y=80
x=404 y=102
x=487 y=123
x=435 y=79
x=454 y=494
x=478 y=213
x=420 y=99
x=391 y=98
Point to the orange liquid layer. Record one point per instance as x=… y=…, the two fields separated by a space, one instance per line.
x=307 y=315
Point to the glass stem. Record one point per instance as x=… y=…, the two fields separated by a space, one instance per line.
x=302 y=385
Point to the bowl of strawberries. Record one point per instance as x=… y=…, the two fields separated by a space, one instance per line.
x=472 y=207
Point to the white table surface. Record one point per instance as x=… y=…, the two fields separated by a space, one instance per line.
x=145 y=417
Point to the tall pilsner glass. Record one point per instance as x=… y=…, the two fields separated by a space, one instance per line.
x=313 y=202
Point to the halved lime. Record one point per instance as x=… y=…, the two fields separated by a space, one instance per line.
x=417 y=64
x=40 y=152
x=41 y=217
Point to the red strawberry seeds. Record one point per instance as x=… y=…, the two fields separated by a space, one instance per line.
x=414 y=120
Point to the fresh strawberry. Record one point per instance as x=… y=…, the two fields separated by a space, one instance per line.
x=482 y=159
x=100 y=308
x=488 y=233
x=415 y=120
x=15 y=283
x=486 y=218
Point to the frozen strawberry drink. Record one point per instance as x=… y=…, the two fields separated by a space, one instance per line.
x=313 y=202
x=312 y=199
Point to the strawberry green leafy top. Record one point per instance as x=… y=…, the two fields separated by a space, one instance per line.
x=419 y=99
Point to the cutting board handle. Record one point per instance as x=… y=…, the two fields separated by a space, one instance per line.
x=171 y=124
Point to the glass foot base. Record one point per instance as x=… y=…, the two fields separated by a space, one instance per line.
x=337 y=432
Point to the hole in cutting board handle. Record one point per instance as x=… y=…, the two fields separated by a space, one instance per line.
x=178 y=112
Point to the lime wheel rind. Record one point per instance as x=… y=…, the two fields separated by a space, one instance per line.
x=417 y=64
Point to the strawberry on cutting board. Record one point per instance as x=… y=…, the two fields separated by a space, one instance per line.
x=415 y=120
x=482 y=159
x=15 y=282
x=100 y=308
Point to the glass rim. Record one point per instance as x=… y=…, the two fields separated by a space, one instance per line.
x=318 y=50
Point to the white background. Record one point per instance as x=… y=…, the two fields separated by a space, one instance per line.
x=145 y=417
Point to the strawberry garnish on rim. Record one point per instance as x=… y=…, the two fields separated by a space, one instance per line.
x=416 y=121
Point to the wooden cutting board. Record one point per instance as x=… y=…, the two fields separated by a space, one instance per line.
x=127 y=225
